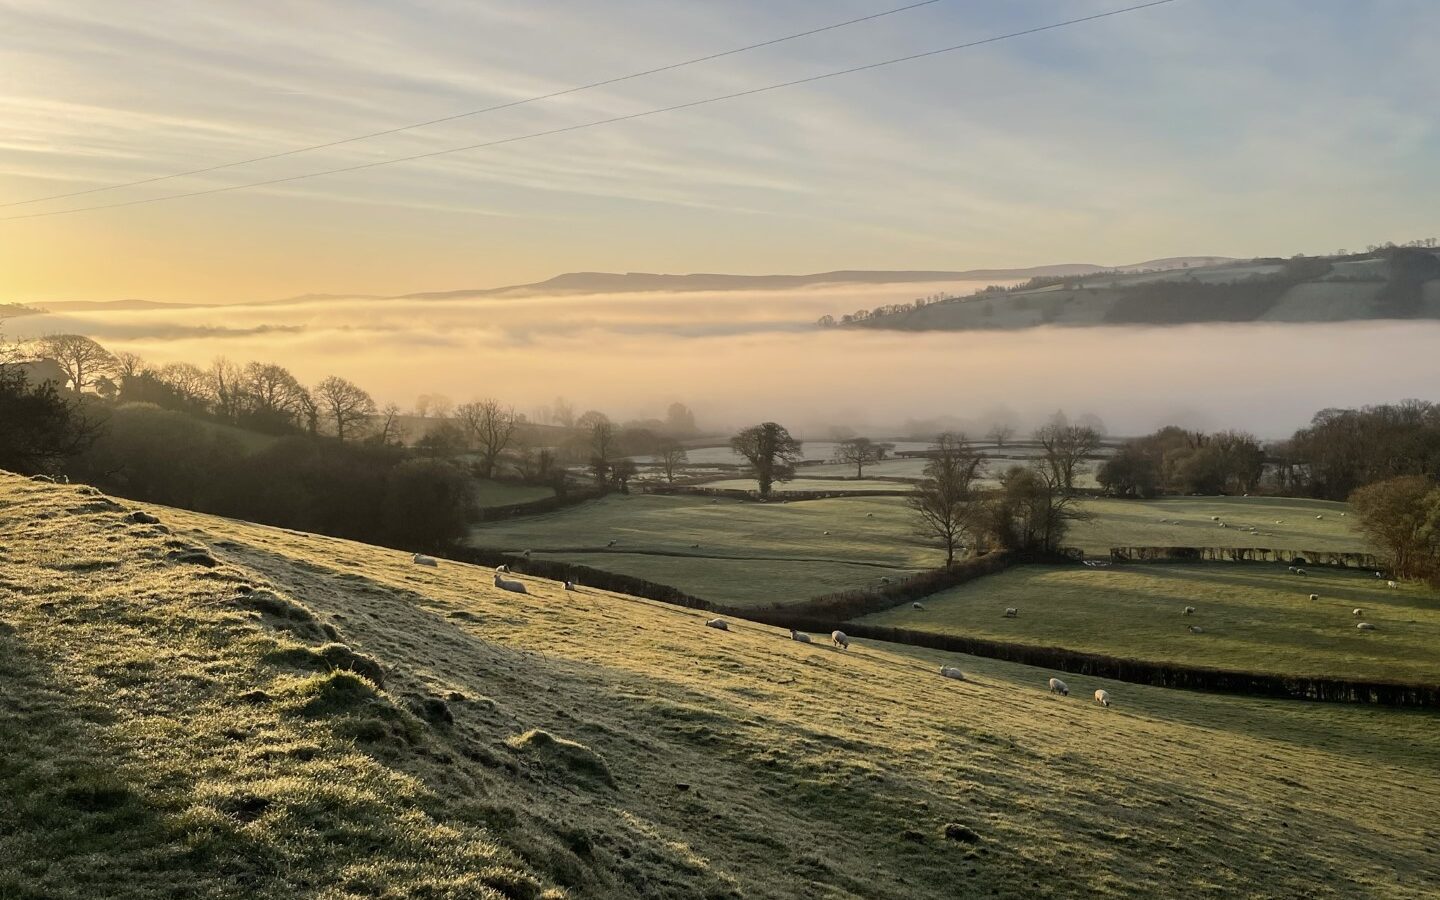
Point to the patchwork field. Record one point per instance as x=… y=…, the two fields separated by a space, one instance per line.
x=1256 y=617
x=167 y=730
x=1280 y=523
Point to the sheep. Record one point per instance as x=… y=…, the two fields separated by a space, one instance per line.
x=718 y=623
x=918 y=607
x=869 y=515
x=507 y=584
x=1314 y=597
x=827 y=532
x=1102 y=697
x=421 y=559
x=1357 y=611
x=1393 y=584
x=952 y=672
x=1011 y=612
x=1300 y=571
x=1214 y=518
x=525 y=554
x=1196 y=629
x=840 y=639
x=503 y=569
x=1291 y=569
x=569 y=585
x=1189 y=611
x=1319 y=517
x=1059 y=687
x=1365 y=626
x=799 y=636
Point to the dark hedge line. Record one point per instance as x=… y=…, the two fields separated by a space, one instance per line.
x=1336 y=558
x=573 y=497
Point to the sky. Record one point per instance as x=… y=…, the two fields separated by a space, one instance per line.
x=1227 y=127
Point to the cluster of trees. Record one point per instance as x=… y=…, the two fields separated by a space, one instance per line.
x=1401 y=517
x=1174 y=460
x=1345 y=449
x=861 y=452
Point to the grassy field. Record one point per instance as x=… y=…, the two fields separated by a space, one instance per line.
x=1255 y=616
x=748 y=553
x=163 y=734
x=1186 y=522
x=834 y=481
x=503 y=493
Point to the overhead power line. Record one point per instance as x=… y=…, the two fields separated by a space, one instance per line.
x=474 y=112
x=598 y=122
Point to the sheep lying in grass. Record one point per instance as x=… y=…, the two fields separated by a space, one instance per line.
x=1319 y=517
x=799 y=636
x=421 y=559
x=917 y=606
x=1314 y=597
x=840 y=639
x=718 y=623
x=1059 y=687
x=503 y=569
x=952 y=672
x=1195 y=629
x=1189 y=611
x=507 y=584
x=1011 y=612
x=1357 y=611
x=1102 y=697
x=1365 y=626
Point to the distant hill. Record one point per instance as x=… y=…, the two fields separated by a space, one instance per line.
x=1396 y=283
x=128 y=305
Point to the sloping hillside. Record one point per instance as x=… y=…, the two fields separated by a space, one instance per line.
x=177 y=717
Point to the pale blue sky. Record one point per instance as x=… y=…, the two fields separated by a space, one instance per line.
x=1199 y=127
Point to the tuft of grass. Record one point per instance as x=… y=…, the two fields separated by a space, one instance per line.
x=564 y=755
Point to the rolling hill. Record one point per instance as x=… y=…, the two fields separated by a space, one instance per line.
x=206 y=707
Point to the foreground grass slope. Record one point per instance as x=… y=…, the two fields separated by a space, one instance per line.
x=167 y=734
x=1256 y=617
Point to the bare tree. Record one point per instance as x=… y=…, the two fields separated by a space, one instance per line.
x=187 y=380
x=83 y=360
x=945 y=501
x=860 y=452
x=271 y=392
x=129 y=365
x=672 y=455
x=771 y=452
x=621 y=472
x=224 y=384
x=1065 y=446
x=344 y=403
x=1000 y=432
x=390 y=429
x=490 y=427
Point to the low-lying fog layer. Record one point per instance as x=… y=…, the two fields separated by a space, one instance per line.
x=741 y=356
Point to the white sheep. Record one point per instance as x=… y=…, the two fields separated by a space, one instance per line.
x=1011 y=612
x=1357 y=611
x=827 y=532
x=503 y=569
x=1189 y=611
x=917 y=606
x=569 y=585
x=1059 y=687
x=1319 y=517
x=952 y=672
x=1393 y=584
x=1314 y=597
x=1196 y=629
x=800 y=636
x=718 y=623
x=1214 y=518
x=1291 y=569
x=1365 y=626
x=1300 y=571
x=840 y=639
x=507 y=584
x=421 y=559
x=1102 y=697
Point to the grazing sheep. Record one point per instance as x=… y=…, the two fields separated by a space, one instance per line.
x=1196 y=629
x=869 y=515
x=1299 y=571
x=1189 y=611
x=1379 y=574
x=569 y=585
x=800 y=636
x=1319 y=517
x=918 y=607
x=1357 y=612
x=1059 y=687
x=421 y=559
x=1365 y=626
x=507 y=584
x=1102 y=697
x=952 y=672
x=1011 y=612
x=718 y=623
x=1291 y=569
x=503 y=569
x=1314 y=597
x=827 y=532
x=840 y=639
x=1214 y=518
x=1393 y=584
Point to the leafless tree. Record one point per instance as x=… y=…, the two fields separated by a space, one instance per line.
x=271 y=391
x=390 y=430
x=1000 y=432
x=1065 y=447
x=187 y=380
x=344 y=403
x=672 y=455
x=224 y=383
x=859 y=452
x=771 y=452
x=83 y=360
x=129 y=365
x=490 y=428
x=945 y=502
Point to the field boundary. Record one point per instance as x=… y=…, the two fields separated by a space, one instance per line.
x=1332 y=558
x=572 y=497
